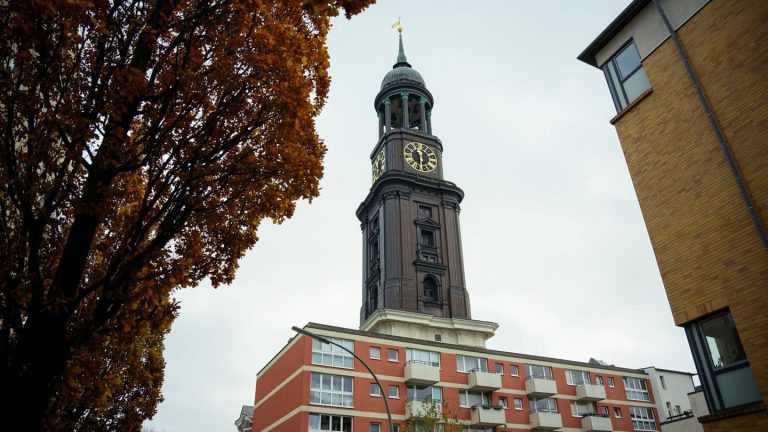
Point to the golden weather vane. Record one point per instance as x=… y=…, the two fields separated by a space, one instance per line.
x=398 y=26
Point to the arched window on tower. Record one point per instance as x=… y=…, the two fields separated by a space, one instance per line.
x=430 y=289
x=373 y=298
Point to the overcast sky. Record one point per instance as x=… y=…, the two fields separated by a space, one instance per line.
x=555 y=248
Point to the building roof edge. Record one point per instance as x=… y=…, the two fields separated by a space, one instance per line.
x=588 y=55
x=472 y=348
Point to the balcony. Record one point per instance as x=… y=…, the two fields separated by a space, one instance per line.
x=484 y=381
x=427 y=253
x=421 y=372
x=590 y=392
x=487 y=415
x=540 y=386
x=431 y=307
x=596 y=423
x=545 y=420
x=420 y=407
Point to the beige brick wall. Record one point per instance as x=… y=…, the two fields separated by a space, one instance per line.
x=706 y=245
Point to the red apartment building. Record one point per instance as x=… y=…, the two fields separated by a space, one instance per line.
x=416 y=332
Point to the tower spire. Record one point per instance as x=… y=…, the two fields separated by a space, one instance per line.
x=401 y=59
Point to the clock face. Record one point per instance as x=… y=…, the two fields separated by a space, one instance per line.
x=379 y=165
x=420 y=157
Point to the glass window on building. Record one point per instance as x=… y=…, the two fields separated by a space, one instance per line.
x=425 y=393
x=536 y=371
x=469 y=363
x=468 y=399
x=328 y=422
x=576 y=377
x=543 y=404
x=724 y=370
x=625 y=75
x=326 y=389
x=642 y=418
x=332 y=355
x=580 y=409
x=422 y=356
x=636 y=389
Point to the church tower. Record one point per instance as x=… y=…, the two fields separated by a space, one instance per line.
x=413 y=268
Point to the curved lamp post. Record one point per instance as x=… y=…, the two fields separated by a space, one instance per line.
x=378 y=383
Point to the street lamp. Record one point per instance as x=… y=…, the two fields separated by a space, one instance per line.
x=378 y=383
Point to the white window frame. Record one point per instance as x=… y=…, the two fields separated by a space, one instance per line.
x=606 y=411
x=485 y=398
x=617 y=412
x=599 y=380
x=551 y=404
x=611 y=382
x=375 y=349
x=374 y=390
x=417 y=355
x=377 y=427
x=642 y=418
x=330 y=355
x=503 y=402
x=499 y=368
x=319 y=391
x=390 y=351
x=575 y=377
x=518 y=404
x=466 y=364
x=529 y=372
x=634 y=389
x=397 y=391
x=514 y=370
x=579 y=409
x=330 y=422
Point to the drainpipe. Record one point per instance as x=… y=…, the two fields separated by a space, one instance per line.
x=745 y=195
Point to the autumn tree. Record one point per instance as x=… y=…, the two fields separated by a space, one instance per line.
x=143 y=141
x=432 y=416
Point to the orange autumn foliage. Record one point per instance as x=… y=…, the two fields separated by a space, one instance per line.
x=142 y=143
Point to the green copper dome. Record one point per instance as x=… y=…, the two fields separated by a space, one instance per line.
x=402 y=71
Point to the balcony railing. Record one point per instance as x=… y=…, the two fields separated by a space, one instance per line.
x=480 y=380
x=428 y=253
x=416 y=407
x=596 y=423
x=432 y=307
x=488 y=415
x=541 y=386
x=545 y=419
x=590 y=392
x=421 y=372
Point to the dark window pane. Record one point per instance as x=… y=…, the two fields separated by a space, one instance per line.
x=723 y=341
x=628 y=60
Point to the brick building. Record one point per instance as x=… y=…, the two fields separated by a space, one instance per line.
x=416 y=328
x=689 y=81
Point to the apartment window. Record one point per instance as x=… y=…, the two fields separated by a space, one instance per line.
x=518 y=404
x=576 y=377
x=536 y=371
x=543 y=404
x=331 y=355
x=663 y=383
x=625 y=75
x=499 y=368
x=375 y=427
x=394 y=391
x=611 y=382
x=606 y=412
x=375 y=390
x=642 y=418
x=503 y=402
x=514 y=370
x=580 y=409
x=421 y=356
x=326 y=389
x=328 y=422
x=468 y=363
x=724 y=370
x=598 y=380
x=468 y=399
x=427 y=237
x=617 y=412
x=393 y=355
x=374 y=353
x=636 y=389
x=424 y=393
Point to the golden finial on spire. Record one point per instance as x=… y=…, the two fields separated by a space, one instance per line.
x=398 y=26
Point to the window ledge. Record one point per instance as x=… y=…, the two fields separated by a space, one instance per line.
x=733 y=412
x=631 y=105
